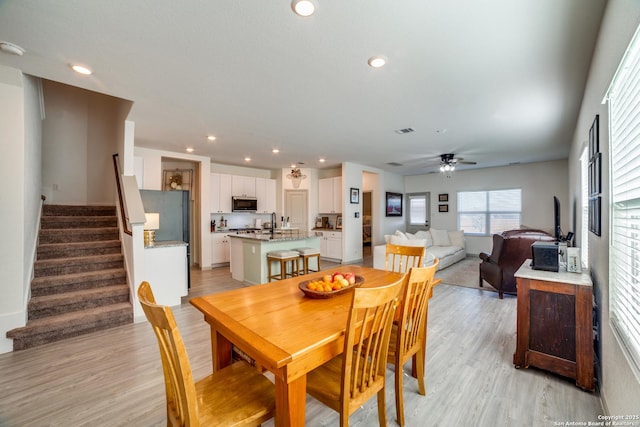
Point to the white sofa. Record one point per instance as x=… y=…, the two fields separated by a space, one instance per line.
x=448 y=246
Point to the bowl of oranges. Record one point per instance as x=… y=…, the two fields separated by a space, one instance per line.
x=330 y=285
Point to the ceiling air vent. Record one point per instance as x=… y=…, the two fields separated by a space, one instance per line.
x=394 y=164
x=405 y=130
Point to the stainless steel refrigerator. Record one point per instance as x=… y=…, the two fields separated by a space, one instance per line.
x=173 y=207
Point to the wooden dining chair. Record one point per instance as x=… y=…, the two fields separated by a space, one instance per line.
x=237 y=395
x=401 y=258
x=409 y=333
x=347 y=381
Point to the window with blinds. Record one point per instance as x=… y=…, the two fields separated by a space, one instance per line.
x=624 y=150
x=485 y=213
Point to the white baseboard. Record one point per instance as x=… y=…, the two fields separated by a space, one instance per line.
x=7 y=323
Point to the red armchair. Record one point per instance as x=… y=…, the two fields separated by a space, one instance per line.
x=510 y=249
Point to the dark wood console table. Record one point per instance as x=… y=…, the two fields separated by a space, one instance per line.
x=555 y=323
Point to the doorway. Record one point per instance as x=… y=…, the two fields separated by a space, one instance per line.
x=418 y=212
x=366 y=218
x=295 y=208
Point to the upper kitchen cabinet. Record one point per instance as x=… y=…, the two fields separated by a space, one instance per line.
x=220 y=193
x=243 y=186
x=266 y=194
x=330 y=195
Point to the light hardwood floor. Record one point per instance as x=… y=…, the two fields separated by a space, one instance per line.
x=114 y=377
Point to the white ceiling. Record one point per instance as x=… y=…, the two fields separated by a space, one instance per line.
x=493 y=81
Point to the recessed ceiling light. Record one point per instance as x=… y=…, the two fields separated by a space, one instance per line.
x=211 y=138
x=82 y=70
x=247 y=159
x=11 y=48
x=275 y=151
x=293 y=165
x=321 y=160
x=377 y=61
x=190 y=150
x=304 y=7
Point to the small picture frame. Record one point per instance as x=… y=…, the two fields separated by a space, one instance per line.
x=355 y=195
x=443 y=208
x=339 y=222
x=444 y=197
x=393 y=204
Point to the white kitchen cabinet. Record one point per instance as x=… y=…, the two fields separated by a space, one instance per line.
x=266 y=194
x=220 y=193
x=219 y=248
x=330 y=195
x=331 y=245
x=243 y=186
x=237 y=259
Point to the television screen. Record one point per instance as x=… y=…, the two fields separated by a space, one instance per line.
x=556 y=218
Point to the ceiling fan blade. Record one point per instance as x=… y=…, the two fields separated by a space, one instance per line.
x=465 y=163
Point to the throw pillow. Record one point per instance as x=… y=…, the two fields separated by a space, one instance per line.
x=457 y=238
x=398 y=240
x=440 y=237
x=400 y=234
x=395 y=240
x=426 y=236
x=387 y=238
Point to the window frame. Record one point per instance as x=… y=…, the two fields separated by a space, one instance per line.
x=487 y=212
x=624 y=204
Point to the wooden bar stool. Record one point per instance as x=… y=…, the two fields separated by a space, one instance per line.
x=284 y=257
x=305 y=254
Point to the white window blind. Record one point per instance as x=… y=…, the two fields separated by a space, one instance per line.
x=624 y=263
x=489 y=212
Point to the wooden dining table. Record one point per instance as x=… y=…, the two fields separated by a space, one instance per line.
x=283 y=330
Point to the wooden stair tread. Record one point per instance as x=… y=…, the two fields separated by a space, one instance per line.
x=80 y=259
x=75 y=319
x=84 y=230
x=78 y=294
x=74 y=277
x=87 y=244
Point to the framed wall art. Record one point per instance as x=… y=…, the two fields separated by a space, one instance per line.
x=595 y=178
x=393 y=204
x=355 y=195
x=177 y=179
x=444 y=197
x=443 y=208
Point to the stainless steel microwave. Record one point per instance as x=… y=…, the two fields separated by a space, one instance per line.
x=244 y=204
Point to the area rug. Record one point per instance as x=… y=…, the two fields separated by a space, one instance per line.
x=463 y=273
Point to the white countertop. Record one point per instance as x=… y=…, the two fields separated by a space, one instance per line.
x=526 y=272
x=167 y=243
x=276 y=237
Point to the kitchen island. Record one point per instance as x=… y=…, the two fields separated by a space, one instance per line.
x=248 y=252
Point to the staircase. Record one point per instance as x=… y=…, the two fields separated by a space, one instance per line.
x=79 y=283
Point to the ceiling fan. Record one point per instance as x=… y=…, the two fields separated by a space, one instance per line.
x=449 y=161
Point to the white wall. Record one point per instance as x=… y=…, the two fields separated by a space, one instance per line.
x=81 y=131
x=379 y=182
x=539 y=183
x=33 y=180
x=20 y=196
x=619 y=385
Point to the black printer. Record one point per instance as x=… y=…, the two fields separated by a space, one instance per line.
x=544 y=256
